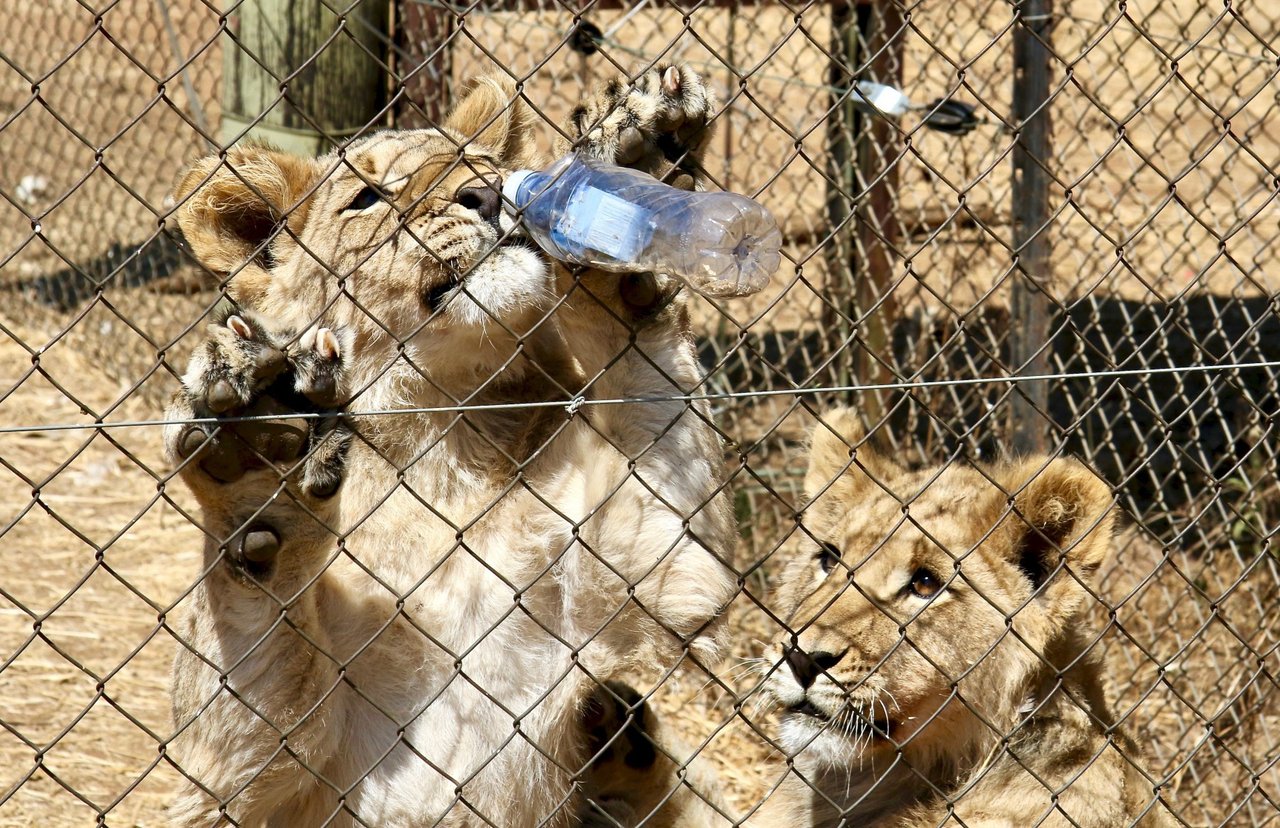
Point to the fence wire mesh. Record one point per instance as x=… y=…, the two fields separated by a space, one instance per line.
x=499 y=617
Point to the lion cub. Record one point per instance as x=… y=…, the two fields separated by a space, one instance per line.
x=936 y=671
x=420 y=562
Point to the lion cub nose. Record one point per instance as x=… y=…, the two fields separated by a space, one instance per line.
x=806 y=667
x=485 y=199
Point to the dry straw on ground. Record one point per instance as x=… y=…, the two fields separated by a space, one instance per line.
x=83 y=696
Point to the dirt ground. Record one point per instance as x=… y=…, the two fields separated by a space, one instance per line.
x=1157 y=196
x=97 y=553
x=93 y=560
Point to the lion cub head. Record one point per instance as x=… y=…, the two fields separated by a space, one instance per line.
x=394 y=239
x=935 y=602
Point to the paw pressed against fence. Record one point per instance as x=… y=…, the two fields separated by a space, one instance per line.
x=331 y=500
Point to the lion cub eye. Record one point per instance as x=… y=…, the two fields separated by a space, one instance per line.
x=924 y=584
x=364 y=199
x=828 y=554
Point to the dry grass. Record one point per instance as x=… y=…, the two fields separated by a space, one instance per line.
x=93 y=559
x=1191 y=639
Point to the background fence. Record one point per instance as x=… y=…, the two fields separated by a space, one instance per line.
x=1108 y=224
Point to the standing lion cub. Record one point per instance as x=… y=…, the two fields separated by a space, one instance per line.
x=938 y=670
x=421 y=565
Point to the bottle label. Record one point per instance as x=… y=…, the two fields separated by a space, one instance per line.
x=600 y=221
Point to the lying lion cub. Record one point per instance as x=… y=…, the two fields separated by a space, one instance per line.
x=401 y=614
x=939 y=673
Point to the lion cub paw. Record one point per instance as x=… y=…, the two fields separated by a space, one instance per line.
x=659 y=124
x=621 y=775
x=252 y=377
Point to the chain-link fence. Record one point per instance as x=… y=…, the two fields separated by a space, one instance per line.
x=504 y=615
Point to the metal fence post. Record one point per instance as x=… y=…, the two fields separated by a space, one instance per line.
x=1029 y=304
x=843 y=124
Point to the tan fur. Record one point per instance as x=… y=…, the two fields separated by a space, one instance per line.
x=904 y=726
x=421 y=648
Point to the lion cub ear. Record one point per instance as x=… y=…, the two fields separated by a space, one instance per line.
x=228 y=209
x=493 y=115
x=1062 y=515
x=843 y=461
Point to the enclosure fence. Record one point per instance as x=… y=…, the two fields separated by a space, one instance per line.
x=1062 y=243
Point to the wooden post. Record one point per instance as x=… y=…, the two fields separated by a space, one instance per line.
x=1029 y=304
x=843 y=124
x=331 y=70
x=859 y=256
x=423 y=64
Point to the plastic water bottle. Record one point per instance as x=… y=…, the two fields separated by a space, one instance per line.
x=586 y=212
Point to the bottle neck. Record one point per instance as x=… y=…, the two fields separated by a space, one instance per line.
x=521 y=187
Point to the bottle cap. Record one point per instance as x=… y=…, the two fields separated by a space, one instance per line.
x=511 y=201
x=878 y=98
x=511 y=198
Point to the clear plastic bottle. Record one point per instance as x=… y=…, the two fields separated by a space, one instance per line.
x=587 y=212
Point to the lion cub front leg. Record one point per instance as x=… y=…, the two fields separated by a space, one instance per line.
x=660 y=123
x=265 y=466
x=658 y=456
